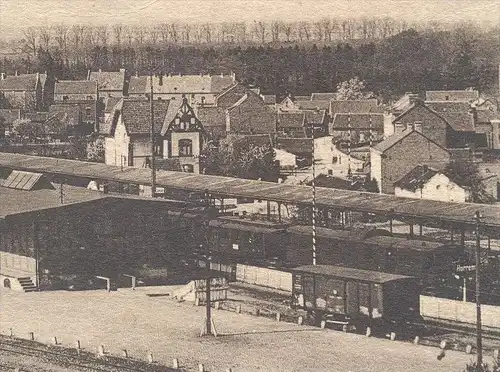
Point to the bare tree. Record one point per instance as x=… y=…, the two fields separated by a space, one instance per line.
x=371 y=28
x=186 y=32
x=328 y=28
x=154 y=33
x=164 y=31
x=61 y=37
x=128 y=33
x=102 y=34
x=275 y=30
x=304 y=31
x=174 y=32
x=91 y=36
x=260 y=31
x=288 y=30
x=45 y=36
x=387 y=25
x=207 y=31
x=117 y=33
x=30 y=41
x=318 y=30
x=139 y=33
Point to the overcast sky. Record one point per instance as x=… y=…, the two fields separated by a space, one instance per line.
x=15 y=14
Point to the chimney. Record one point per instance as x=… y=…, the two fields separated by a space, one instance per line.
x=16 y=74
x=122 y=70
x=100 y=70
x=137 y=74
x=160 y=79
x=425 y=168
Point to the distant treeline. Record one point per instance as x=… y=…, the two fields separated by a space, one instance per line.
x=391 y=62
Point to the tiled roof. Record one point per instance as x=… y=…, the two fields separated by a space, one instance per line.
x=315 y=117
x=358 y=121
x=108 y=80
x=323 y=96
x=240 y=101
x=354 y=106
x=485 y=115
x=301 y=98
x=451 y=95
x=172 y=110
x=295 y=145
x=25 y=82
x=291 y=119
x=392 y=140
x=65 y=114
x=138 y=85
x=220 y=83
x=111 y=102
x=211 y=116
x=416 y=178
x=269 y=99
x=136 y=115
x=39 y=117
x=456 y=114
x=75 y=87
x=313 y=105
x=106 y=126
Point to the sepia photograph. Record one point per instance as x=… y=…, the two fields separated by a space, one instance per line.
x=250 y=185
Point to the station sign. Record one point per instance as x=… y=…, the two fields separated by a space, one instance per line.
x=465 y=268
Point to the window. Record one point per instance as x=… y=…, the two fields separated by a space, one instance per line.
x=90 y=98
x=185 y=147
x=447 y=98
x=88 y=111
x=193 y=120
x=203 y=99
x=65 y=98
x=188 y=168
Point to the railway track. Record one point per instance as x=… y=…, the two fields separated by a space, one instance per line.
x=69 y=358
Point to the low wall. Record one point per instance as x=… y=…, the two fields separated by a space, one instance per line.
x=264 y=277
x=459 y=311
x=17 y=266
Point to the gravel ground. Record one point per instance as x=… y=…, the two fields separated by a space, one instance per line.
x=141 y=324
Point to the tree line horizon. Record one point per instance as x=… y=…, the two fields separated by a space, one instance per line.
x=392 y=56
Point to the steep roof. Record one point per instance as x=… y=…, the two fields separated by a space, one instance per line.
x=451 y=95
x=301 y=98
x=111 y=103
x=63 y=113
x=313 y=105
x=24 y=82
x=239 y=102
x=291 y=119
x=323 y=96
x=456 y=114
x=28 y=181
x=211 y=116
x=136 y=115
x=172 y=110
x=295 y=145
x=75 y=87
x=358 y=121
x=416 y=178
x=392 y=140
x=315 y=117
x=354 y=106
x=108 y=80
x=138 y=85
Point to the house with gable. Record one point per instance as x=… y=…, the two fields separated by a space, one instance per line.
x=182 y=136
x=292 y=124
x=26 y=92
x=79 y=90
x=399 y=153
x=249 y=115
x=127 y=135
x=466 y=95
x=109 y=83
x=357 y=127
x=424 y=182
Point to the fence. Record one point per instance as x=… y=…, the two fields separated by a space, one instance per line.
x=264 y=277
x=458 y=311
x=16 y=265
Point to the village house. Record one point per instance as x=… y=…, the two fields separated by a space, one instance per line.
x=394 y=157
x=466 y=95
x=197 y=89
x=109 y=83
x=487 y=124
x=450 y=124
x=75 y=90
x=250 y=116
x=7 y=119
x=424 y=182
x=323 y=96
x=73 y=118
x=27 y=92
x=292 y=124
x=357 y=127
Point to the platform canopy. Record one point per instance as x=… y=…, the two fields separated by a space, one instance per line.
x=420 y=210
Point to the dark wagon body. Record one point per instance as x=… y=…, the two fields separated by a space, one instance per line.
x=354 y=296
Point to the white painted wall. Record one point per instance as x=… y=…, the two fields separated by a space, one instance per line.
x=285 y=158
x=116 y=147
x=439 y=188
x=376 y=166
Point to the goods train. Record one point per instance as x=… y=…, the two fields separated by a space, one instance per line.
x=354 y=297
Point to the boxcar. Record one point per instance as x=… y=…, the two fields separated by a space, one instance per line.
x=353 y=296
x=333 y=246
x=238 y=240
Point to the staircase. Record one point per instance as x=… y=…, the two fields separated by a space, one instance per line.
x=27 y=284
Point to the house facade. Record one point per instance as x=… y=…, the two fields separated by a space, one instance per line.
x=394 y=157
x=423 y=182
x=24 y=92
x=75 y=90
x=250 y=116
x=109 y=83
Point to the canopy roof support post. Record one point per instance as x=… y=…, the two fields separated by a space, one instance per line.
x=268 y=210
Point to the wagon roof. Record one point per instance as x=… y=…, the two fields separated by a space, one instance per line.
x=350 y=273
x=245 y=226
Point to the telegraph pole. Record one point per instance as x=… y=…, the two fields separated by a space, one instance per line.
x=208 y=302
x=152 y=137
x=313 y=200
x=479 y=340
